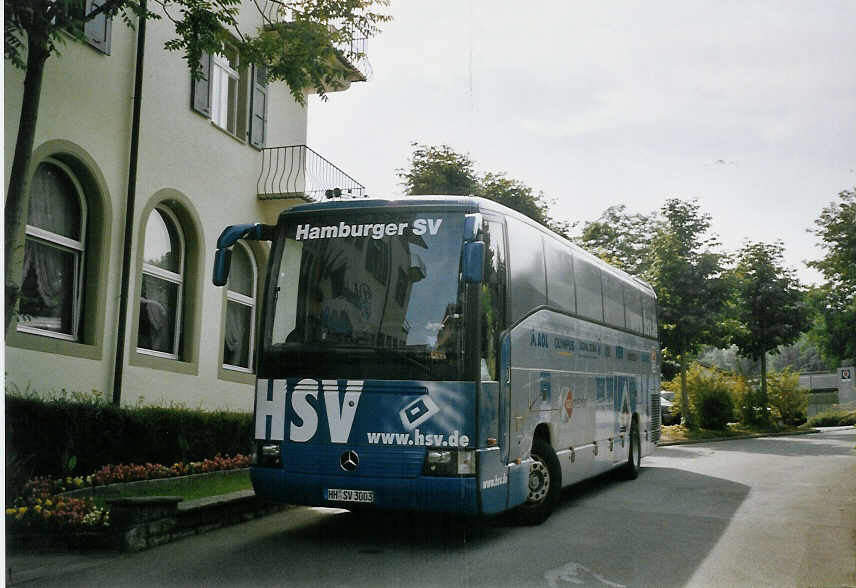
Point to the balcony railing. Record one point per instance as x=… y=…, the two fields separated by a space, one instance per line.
x=354 y=52
x=296 y=171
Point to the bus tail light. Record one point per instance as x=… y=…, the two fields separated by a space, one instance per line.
x=449 y=462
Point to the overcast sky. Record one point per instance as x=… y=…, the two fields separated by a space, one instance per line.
x=749 y=107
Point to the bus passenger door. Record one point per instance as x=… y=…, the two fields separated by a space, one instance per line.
x=504 y=396
x=519 y=426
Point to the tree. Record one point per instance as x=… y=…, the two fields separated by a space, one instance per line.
x=441 y=170
x=621 y=238
x=303 y=52
x=438 y=170
x=688 y=278
x=801 y=356
x=518 y=196
x=834 y=329
x=770 y=308
x=727 y=359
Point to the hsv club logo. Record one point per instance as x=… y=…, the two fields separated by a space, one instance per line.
x=417 y=412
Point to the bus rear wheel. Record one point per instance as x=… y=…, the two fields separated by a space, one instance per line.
x=545 y=484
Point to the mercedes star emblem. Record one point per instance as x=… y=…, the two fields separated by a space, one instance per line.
x=349 y=461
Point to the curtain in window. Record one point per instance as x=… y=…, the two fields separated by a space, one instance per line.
x=52 y=252
x=158 y=303
x=54 y=204
x=48 y=287
x=236 y=347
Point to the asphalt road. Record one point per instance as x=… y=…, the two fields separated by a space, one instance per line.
x=762 y=512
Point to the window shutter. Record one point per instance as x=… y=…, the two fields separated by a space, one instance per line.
x=200 y=90
x=98 y=29
x=258 y=108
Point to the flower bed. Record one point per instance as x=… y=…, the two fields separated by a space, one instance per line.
x=41 y=508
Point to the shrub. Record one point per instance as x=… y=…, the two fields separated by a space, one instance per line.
x=709 y=393
x=59 y=434
x=787 y=399
x=745 y=398
x=833 y=418
x=713 y=403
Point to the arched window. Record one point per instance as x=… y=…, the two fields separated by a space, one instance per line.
x=54 y=251
x=162 y=286
x=239 y=334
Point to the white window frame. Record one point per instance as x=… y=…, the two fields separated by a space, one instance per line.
x=244 y=300
x=221 y=73
x=64 y=243
x=167 y=275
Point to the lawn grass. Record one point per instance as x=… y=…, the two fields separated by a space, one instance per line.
x=681 y=433
x=188 y=488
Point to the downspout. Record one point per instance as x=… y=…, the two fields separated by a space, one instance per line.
x=129 y=209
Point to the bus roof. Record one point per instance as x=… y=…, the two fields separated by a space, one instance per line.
x=466 y=204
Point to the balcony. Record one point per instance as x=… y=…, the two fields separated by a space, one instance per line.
x=296 y=171
x=351 y=55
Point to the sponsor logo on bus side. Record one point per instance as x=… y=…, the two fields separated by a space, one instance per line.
x=454 y=439
x=420 y=226
x=498 y=480
x=564 y=346
x=567 y=404
x=592 y=349
x=538 y=339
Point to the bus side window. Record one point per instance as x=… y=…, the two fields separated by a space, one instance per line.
x=649 y=308
x=290 y=276
x=528 y=282
x=633 y=308
x=587 y=281
x=613 y=300
x=560 y=276
x=492 y=298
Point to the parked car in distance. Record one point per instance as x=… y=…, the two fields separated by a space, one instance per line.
x=669 y=413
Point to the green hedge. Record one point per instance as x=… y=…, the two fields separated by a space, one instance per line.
x=833 y=418
x=47 y=436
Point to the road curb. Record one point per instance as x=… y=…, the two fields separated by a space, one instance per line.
x=737 y=438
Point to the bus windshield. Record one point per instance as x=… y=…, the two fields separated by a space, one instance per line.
x=375 y=295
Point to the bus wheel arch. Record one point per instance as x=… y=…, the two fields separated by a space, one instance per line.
x=542 y=431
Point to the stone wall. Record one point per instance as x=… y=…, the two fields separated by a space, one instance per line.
x=143 y=522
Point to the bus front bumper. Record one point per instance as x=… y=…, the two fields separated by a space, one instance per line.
x=423 y=493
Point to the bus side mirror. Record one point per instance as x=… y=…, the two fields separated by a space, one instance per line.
x=222 y=261
x=230 y=236
x=473 y=262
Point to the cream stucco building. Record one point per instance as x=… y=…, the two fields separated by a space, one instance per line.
x=225 y=150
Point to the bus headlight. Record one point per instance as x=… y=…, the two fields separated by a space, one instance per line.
x=449 y=462
x=268 y=455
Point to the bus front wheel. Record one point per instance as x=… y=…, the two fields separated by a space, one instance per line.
x=545 y=484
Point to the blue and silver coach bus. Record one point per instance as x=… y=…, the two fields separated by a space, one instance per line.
x=443 y=354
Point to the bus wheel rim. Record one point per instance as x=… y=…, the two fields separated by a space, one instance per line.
x=539 y=481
